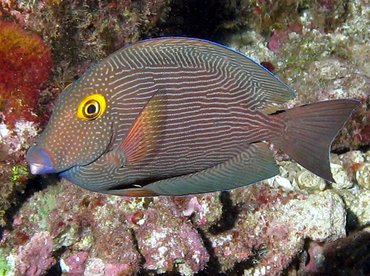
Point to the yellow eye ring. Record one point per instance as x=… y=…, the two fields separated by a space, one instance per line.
x=92 y=107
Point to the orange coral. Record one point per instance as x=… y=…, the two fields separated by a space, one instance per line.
x=25 y=63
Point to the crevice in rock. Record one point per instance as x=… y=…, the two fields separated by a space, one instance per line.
x=351 y=220
x=228 y=217
x=213 y=266
x=196 y=18
x=344 y=150
x=34 y=184
x=56 y=270
x=252 y=261
x=136 y=245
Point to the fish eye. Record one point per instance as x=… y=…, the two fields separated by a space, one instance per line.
x=92 y=107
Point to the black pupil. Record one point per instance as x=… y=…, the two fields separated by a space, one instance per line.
x=91 y=109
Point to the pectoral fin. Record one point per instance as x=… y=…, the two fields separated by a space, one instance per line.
x=144 y=134
x=252 y=165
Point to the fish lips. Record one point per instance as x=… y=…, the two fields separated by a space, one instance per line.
x=39 y=161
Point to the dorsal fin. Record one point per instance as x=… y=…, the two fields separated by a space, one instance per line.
x=144 y=134
x=267 y=91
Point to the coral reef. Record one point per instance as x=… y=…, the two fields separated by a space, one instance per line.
x=108 y=235
x=25 y=63
x=294 y=222
x=262 y=225
x=348 y=255
x=13 y=168
x=34 y=258
x=275 y=238
x=319 y=65
x=103 y=234
x=81 y=32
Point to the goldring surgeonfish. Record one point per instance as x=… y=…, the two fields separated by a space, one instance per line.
x=175 y=116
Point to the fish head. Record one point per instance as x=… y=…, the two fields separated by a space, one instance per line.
x=79 y=131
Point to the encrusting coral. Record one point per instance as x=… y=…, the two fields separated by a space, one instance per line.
x=109 y=231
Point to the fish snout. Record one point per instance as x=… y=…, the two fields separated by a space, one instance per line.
x=39 y=161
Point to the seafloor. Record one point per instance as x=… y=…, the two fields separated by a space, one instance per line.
x=292 y=224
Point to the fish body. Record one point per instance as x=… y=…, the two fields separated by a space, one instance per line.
x=174 y=116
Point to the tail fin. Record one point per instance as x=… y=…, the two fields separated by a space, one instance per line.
x=309 y=131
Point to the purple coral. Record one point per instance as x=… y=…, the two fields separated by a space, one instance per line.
x=75 y=264
x=166 y=239
x=35 y=258
x=279 y=37
x=117 y=269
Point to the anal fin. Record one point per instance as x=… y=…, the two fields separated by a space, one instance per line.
x=253 y=165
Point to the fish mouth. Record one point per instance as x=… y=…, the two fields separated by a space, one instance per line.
x=40 y=168
x=39 y=161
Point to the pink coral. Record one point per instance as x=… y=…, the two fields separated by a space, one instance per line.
x=76 y=263
x=273 y=225
x=165 y=239
x=193 y=206
x=277 y=40
x=279 y=37
x=35 y=258
x=117 y=269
